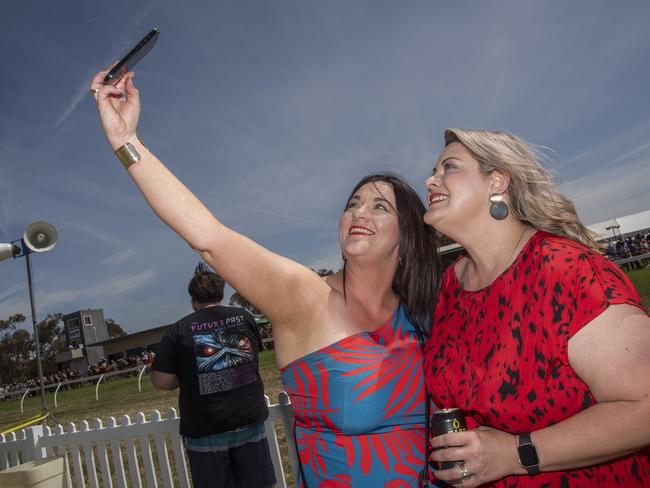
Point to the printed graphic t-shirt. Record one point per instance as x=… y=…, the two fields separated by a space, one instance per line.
x=214 y=352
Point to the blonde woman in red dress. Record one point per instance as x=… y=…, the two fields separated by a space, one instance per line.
x=541 y=341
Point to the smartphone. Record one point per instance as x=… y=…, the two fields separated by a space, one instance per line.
x=127 y=63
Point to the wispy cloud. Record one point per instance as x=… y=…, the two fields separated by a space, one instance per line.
x=11 y=291
x=14 y=305
x=122 y=253
x=60 y=297
x=122 y=286
x=119 y=257
x=618 y=189
x=110 y=288
x=81 y=95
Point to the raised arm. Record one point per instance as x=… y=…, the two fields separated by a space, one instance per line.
x=276 y=285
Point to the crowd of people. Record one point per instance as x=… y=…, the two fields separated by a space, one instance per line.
x=630 y=246
x=66 y=375
x=132 y=361
x=62 y=376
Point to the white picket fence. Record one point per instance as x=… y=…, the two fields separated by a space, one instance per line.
x=121 y=454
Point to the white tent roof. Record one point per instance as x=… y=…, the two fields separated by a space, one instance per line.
x=626 y=225
x=635 y=222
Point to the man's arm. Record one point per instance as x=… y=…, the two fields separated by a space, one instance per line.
x=164 y=381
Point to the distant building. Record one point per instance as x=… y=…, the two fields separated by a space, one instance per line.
x=133 y=344
x=83 y=329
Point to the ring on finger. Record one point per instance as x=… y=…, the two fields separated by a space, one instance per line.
x=464 y=471
x=94 y=91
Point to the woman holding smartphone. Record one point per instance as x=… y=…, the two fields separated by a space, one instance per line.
x=347 y=345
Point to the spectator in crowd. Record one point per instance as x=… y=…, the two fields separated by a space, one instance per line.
x=212 y=355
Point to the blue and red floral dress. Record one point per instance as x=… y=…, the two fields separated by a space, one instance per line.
x=359 y=409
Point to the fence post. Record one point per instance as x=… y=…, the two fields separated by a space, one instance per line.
x=32 y=435
x=274 y=447
x=97 y=387
x=284 y=403
x=140 y=378
x=22 y=400
x=56 y=392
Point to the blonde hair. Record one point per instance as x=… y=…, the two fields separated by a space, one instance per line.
x=533 y=196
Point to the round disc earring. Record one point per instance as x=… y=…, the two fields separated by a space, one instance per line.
x=498 y=208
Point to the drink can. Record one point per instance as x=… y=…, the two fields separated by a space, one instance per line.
x=445 y=421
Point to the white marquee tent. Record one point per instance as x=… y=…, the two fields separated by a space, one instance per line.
x=629 y=224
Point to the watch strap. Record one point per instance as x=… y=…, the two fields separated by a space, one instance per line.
x=525 y=442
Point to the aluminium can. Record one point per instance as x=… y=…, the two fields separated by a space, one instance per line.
x=446 y=421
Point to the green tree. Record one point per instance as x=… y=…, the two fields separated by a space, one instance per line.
x=17 y=347
x=114 y=329
x=10 y=323
x=16 y=350
x=323 y=272
x=238 y=300
x=51 y=340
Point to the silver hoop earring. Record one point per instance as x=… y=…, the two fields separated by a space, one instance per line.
x=498 y=208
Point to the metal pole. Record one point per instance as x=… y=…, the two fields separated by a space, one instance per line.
x=38 y=346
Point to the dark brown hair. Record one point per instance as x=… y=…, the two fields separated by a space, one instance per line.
x=417 y=278
x=206 y=286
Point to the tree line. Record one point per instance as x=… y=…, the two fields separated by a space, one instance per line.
x=18 y=350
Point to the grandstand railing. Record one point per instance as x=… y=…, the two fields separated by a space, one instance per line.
x=82 y=381
x=631 y=259
x=130 y=453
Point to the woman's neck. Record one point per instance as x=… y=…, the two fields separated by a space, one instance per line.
x=369 y=290
x=491 y=250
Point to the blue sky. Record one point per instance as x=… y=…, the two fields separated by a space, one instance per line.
x=271 y=111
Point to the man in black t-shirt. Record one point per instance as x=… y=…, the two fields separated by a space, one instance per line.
x=212 y=354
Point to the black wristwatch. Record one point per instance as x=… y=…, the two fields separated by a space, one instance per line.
x=527 y=454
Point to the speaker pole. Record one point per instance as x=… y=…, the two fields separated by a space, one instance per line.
x=38 y=346
x=39 y=237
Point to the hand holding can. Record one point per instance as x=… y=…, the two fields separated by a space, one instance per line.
x=445 y=421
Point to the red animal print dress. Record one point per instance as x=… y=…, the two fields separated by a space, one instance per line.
x=500 y=353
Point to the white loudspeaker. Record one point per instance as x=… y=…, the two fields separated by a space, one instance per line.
x=6 y=251
x=40 y=236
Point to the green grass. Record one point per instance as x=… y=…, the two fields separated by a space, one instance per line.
x=641 y=279
x=121 y=397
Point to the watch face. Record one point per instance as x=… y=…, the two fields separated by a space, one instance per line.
x=528 y=455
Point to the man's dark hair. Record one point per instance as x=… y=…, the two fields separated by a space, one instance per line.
x=417 y=278
x=206 y=286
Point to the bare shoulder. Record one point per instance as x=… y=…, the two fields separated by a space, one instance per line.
x=619 y=322
x=610 y=353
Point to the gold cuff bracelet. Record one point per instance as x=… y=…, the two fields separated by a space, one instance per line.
x=127 y=154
